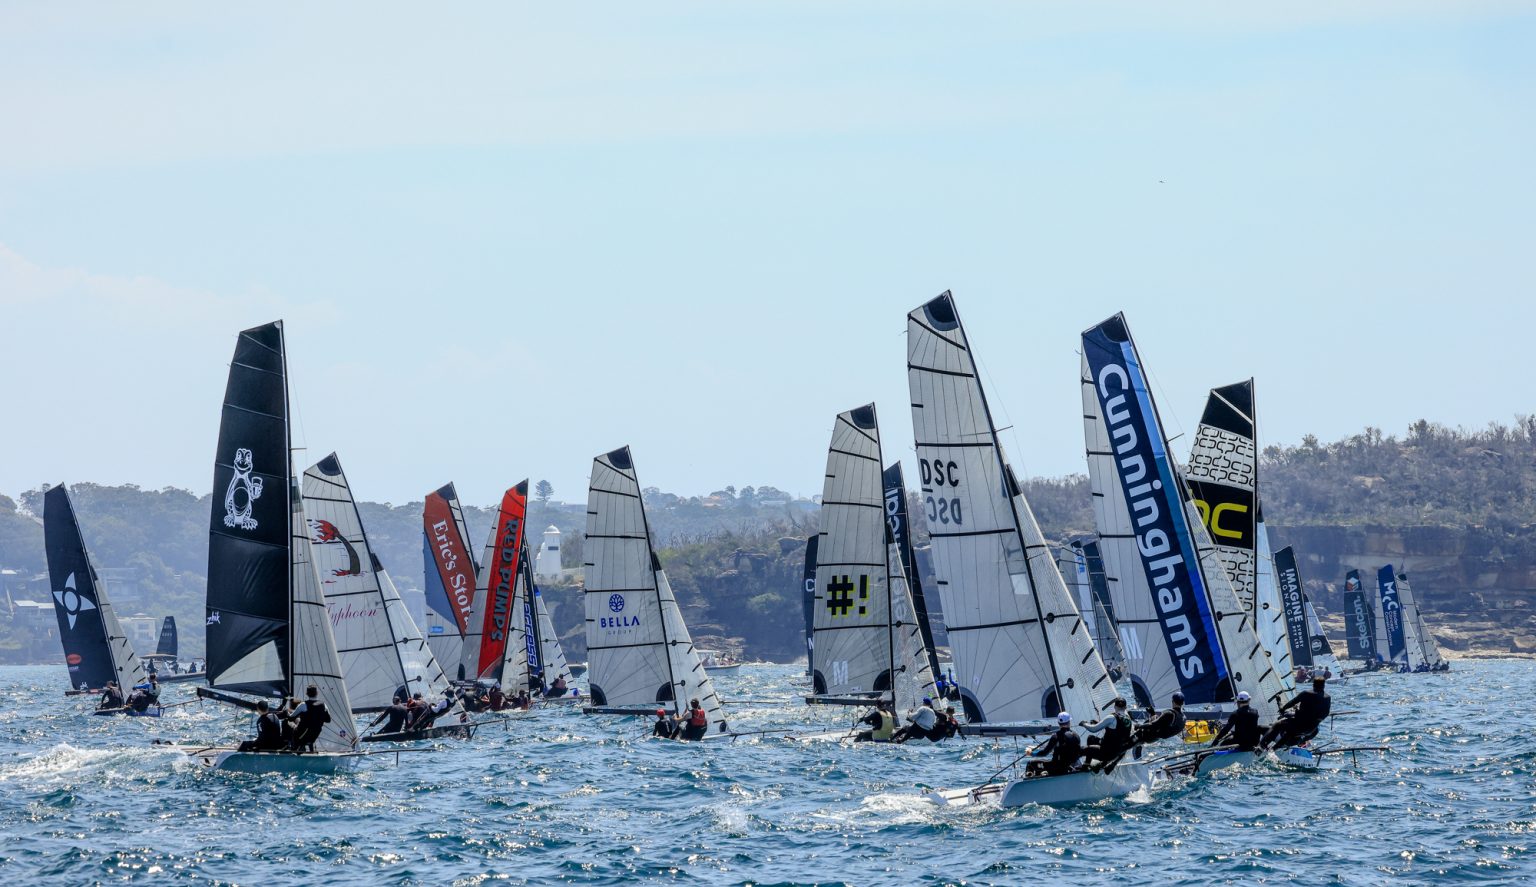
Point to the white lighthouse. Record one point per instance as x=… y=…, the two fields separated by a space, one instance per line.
x=546 y=567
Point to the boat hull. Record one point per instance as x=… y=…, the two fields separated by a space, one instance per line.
x=1083 y=787
x=153 y=711
x=234 y=761
x=722 y=669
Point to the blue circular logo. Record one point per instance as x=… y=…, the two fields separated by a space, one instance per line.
x=616 y=603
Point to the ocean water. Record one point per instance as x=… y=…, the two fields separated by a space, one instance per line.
x=560 y=796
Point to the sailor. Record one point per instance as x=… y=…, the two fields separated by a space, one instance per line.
x=558 y=688
x=144 y=695
x=1302 y=674
x=111 y=696
x=696 y=724
x=269 y=731
x=1116 y=727
x=1164 y=725
x=1312 y=707
x=1064 y=748
x=431 y=713
x=882 y=724
x=1242 y=725
x=664 y=728
x=920 y=723
x=496 y=699
x=949 y=725
x=396 y=714
x=311 y=718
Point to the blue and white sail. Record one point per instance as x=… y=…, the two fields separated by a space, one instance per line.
x=1181 y=624
x=1021 y=649
x=1392 y=629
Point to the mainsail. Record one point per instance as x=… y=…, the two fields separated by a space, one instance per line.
x=451 y=574
x=1021 y=648
x=1392 y=617
x=382 y=653
x=901 y=534
x=491 y=621
x=1293 y=603
x=167 y=647
x=864 y=623
x=1083 y=571
x=95 y=649
x=1429 y=651
x=808 y=601
x=1181 y=623
x=551 y=656
x=268 y=630
x=1269 y=612
x=639 y=652
x=1359 y=626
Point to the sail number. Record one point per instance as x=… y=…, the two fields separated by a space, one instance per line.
x=938 y=473
x=839 y=672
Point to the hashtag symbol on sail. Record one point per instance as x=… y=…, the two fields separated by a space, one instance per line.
x=840 y=595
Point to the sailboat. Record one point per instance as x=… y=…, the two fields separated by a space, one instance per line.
x=450 y=578
x=1359 y=622
x=901 y=533
x=1181 y=623
x=545 y=658
x=867 y=642
x=383 y=655
x=1223 y=479
x=487 y=654
x=808 y=604
x=1083 y=570
x=1309 y=645
x=96 y=651
x=1429 y=651
x=1022 y=651
x=269 y=634
x=1393 y=632
x=640 y=657
x=163 y=663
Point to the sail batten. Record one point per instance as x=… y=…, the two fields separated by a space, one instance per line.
x=96 y=651
x=1013 y=629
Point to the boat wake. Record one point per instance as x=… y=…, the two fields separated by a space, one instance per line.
x=67 y=762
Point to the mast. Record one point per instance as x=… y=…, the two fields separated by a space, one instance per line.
x=95 y=648
x=1020 y=645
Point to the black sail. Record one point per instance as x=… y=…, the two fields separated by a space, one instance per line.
x=95 y=650
x=167 y=646
x=248 y=532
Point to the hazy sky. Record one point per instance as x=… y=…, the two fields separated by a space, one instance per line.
x=508 y=237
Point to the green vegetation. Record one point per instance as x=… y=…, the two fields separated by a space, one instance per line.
x=735 y=557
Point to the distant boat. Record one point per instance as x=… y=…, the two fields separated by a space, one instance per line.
x=489 y=654
x=96 y=651
x=269 y=633
x=640 y=656
x=1429 y=657
x=718 y=663
x=164 y=663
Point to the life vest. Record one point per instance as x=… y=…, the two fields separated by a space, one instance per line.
x=1313 y=708
x=886 y=729
x=1118 y=734
x=697 y=718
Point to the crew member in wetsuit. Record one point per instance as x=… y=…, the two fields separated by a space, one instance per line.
x=558 y=688
x=1312 y=707
x=1063 y=748
x=145 y=694
x=269 y=731
x=948 y=724
x=498 y=699
x=882 y=724
x=396 y=714
x=665 y=727
x=111 y=696
x=1242 y=725
x=697 y=723
x=1163 y=725
x=1116 y=727
x=922 y=721
x=312 y=718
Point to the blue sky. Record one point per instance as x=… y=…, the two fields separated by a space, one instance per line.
x=511 y=237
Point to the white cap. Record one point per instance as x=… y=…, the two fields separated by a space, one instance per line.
x=1243 y=696
x=1063 y=718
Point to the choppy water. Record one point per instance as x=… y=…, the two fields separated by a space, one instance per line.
x=567 y=797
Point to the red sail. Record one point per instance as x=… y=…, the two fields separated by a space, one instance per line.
x=501 y=575
x=453 y=596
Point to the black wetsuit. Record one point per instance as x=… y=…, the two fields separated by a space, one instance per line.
x=394 y=718
x=312 y=719
x=1065 y=747
x=1166 y=725
x=1312 y=709
x=269 y=734
x=1243 y=725
x=111 y=698
x=664 y=729
x=1117 y=738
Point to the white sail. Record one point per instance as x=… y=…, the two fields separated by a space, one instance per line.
x=1021 y=649
x=551 y=656
x=313 y=658
x=851 y=622
x=1269 y=613
x=1429 y=650
x=639 y=653
x=377 y=642
x=1322 y=654
x=913 y=674
x=1379 y=620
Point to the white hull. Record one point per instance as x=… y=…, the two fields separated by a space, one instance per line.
x=232 y=760
x=1074 y=788
x=1292 y=758
x=722 y=669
